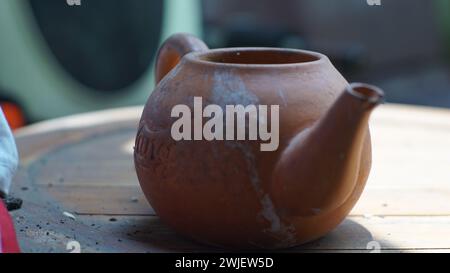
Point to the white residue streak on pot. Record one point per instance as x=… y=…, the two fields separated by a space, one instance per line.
x=230 y=89
x=277 y=228
x=282 y=96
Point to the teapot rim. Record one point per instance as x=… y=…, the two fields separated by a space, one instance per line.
x=210 y=57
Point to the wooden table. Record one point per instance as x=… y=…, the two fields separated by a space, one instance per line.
x=405 y=207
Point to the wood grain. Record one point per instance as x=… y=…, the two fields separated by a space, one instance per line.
x=83 y=165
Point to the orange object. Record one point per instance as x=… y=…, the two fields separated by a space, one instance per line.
x=232 y=194
x=14 y=114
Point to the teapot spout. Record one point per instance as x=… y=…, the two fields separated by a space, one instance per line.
x=321 y=166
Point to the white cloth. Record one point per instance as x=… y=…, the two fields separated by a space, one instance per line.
x=9 y=158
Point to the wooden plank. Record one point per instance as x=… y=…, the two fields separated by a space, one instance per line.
x=101 y=159
x=41 y=232
x=129 y=200
x=126 y=200
x=411 y=148
x=75 y=164
x=408 y=187
x=43 y=137
x=91 y=121
x=398 y=202
x=391 y=232
x=413 y=116
x=148 y=234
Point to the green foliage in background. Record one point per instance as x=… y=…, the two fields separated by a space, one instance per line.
x=443 y=10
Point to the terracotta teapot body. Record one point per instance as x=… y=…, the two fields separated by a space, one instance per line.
x=230 y=193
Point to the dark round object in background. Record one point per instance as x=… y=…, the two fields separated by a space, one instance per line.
x=105 y=44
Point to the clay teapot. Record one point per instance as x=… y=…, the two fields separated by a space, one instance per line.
x=232 y=193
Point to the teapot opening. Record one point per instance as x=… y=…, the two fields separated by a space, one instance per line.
x=259 y=56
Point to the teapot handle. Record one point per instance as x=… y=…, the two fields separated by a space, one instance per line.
x=173 y=49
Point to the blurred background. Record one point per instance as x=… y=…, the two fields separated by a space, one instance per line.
x=58 y=59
